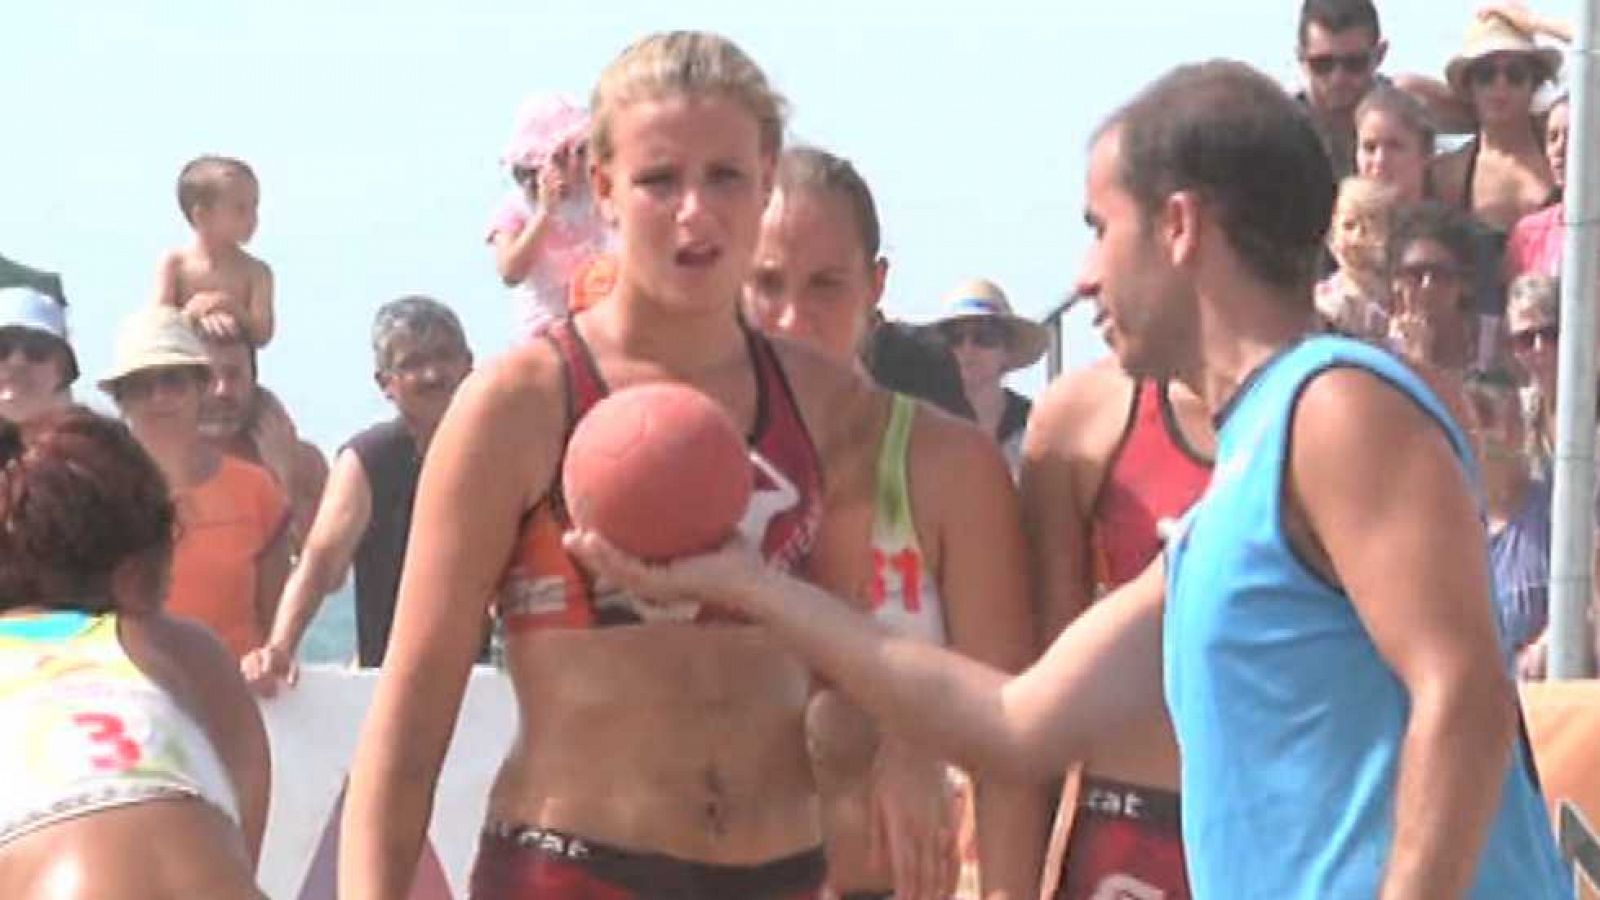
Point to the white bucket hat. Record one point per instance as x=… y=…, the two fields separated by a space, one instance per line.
x=981 y=299
x=152 y=338
x=30 y=310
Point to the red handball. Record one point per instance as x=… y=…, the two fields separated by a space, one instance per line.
x=659 y=470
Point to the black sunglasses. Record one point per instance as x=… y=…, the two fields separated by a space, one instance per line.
x=1517 y=73
x=35 y=348
x=1430 y=272
x=160 y=379
x=1352 y=63
x=1527 y=339
x=980 y=334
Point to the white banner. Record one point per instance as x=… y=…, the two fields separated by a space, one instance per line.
x=313 y=730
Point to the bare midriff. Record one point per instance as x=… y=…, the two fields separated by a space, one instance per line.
x=686 y=740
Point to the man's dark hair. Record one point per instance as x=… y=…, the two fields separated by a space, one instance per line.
x=1230 y=134
x=1339 y=15
x=239 y=340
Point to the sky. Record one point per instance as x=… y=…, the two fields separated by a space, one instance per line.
x=375 y=127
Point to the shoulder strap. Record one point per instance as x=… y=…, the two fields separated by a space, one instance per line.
x=893 y=490
x=585 y=385
x=1174 y=428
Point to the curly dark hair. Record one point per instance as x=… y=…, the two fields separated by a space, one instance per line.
x=1432 y=220
x=78 y=496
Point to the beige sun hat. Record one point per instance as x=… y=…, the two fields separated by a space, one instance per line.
x=152 y=338
x=1488 y=35
x=979 y=298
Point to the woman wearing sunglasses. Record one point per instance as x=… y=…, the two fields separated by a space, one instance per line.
x=989 y=340
x=1502 y=174
x=231 y=555
x=1533 y=309
x=37 y=365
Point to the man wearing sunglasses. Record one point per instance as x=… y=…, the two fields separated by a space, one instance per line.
x=1340 y=50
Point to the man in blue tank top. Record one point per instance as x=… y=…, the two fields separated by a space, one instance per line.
x=1328 y=640
x=1321 y=628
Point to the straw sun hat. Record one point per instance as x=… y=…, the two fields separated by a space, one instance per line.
x=154 y=338
x=1489 y=35
x=980 y=299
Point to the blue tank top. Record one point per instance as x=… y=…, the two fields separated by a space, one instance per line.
x=1289 y=721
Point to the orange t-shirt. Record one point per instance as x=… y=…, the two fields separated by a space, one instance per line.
x=224 y=525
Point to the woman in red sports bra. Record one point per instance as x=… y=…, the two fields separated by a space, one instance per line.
x=655 y=757
x=1107 y=458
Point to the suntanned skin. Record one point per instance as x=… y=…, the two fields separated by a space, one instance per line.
x=221 y=289
x=248 y=421
x=1076 y=427
x=679 y=739
x=1332 y=98
x=110 y=855
x=1512 y=178
x=345 y=509
x=166 y=424
x=1376 y=501
x=967 y=528
x=886 y=815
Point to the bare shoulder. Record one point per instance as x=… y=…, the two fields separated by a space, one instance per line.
x=941 y=442
x=182 y=656
x=310 y=462
x=509 y=418
x=186 y=640
x=256 y=266
x=1356 y=421
x=953 y=467
x=519 y=393
x=1081 y=414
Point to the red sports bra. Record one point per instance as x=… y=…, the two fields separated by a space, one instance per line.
x=1154 y=474
x=543 y=587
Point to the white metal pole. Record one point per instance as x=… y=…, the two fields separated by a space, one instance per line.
x=1572 y=537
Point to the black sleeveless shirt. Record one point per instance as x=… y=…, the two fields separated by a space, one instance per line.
x=389 y=456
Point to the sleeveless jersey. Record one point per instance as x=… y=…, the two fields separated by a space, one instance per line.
x=390 y=459
x=543 y=587
x=904 y=593
x=88 y=730
x=1290 y=721
x=1154 y=476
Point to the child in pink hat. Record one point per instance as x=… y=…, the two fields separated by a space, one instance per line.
x=546 y=228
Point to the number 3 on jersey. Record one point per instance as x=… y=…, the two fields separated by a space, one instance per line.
x=115 y=750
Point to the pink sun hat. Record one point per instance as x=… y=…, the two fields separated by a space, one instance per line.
x=545 y=123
